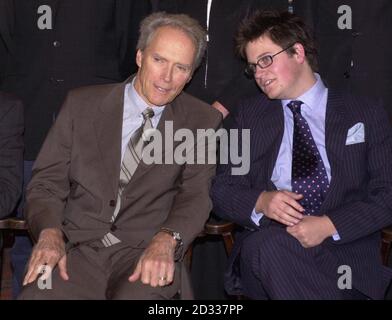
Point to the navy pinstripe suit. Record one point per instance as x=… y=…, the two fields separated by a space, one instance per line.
x=266 y=260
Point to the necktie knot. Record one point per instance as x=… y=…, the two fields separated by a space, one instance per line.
x=295 y=107
x=148 y=113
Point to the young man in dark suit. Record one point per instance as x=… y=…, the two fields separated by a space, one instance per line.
x=319 y=187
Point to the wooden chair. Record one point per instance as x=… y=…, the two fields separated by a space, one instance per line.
x=9 y=225
x=212 y=227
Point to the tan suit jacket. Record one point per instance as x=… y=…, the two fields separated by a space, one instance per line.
x=75 y=178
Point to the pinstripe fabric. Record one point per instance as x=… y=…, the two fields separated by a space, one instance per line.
x=359 y=200
x=132 y=157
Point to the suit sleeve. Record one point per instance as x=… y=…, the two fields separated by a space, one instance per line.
x=192 y=204
x=234 y=196
x=11 y=156
x=49 y=187
x=359 y=219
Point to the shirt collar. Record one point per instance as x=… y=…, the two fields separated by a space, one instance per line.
x=137 y=101
x=312 y=97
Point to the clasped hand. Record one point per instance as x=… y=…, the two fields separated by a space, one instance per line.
x=283 y=206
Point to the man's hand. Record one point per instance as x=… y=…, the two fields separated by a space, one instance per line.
x=47 y=253
x=281 y=206
x=312 y=231
x=218 y=106
x=156 y=265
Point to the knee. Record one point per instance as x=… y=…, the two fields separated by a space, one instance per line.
x=263 y=244
x=33 y=292
x=134 y=291
x=125 y=290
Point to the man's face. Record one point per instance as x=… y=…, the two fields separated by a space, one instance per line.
x=282 y=79
x=165 y=66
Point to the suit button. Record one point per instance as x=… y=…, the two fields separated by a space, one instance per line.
x=64 y=223
x=56 y=44
x=112 y=203
x=113 y=228
x=346 y=75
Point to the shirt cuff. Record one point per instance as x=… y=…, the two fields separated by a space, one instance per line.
x=336 y=237
x=256 y=217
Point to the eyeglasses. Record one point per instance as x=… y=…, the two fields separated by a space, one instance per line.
x=263 y=62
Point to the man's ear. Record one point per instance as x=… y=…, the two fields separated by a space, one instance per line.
x=139 y=58
x=299 y=52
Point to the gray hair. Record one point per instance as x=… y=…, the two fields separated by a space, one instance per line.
x=183 y=22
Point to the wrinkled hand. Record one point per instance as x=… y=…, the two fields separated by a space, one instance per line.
x=156 y=265
x=312 y=231
x=47 y=253
x=281 y=206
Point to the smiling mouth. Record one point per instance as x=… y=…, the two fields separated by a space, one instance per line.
x=268 y=83
x=162 y=90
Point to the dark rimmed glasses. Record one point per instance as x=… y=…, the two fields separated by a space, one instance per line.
x=263 y=62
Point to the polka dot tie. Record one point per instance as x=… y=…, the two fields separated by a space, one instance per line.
x=308 y=174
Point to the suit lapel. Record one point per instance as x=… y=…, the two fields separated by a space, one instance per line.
x=274 y=127
x=108 y=130
x=335 y=140
x=173 y=114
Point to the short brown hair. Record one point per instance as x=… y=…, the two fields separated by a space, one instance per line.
x=283 y=28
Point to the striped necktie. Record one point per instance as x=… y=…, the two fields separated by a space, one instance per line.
x=132 y=157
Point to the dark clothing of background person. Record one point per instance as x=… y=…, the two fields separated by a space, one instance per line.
x=358 y=59
x=11 y=152
x=91 y=42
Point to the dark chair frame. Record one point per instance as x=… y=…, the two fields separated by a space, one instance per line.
x=12 y=225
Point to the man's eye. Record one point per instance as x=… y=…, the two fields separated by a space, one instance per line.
x=157 y=59
x=265 y=59
x=182 y=68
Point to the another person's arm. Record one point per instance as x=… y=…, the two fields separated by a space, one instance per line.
x=11 y=153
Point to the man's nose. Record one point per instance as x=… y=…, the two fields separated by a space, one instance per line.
x=168 y=74
x=259 y=72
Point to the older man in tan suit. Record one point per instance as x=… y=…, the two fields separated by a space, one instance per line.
x=109 y=225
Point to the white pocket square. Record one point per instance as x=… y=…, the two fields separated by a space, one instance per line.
x=356 y=134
